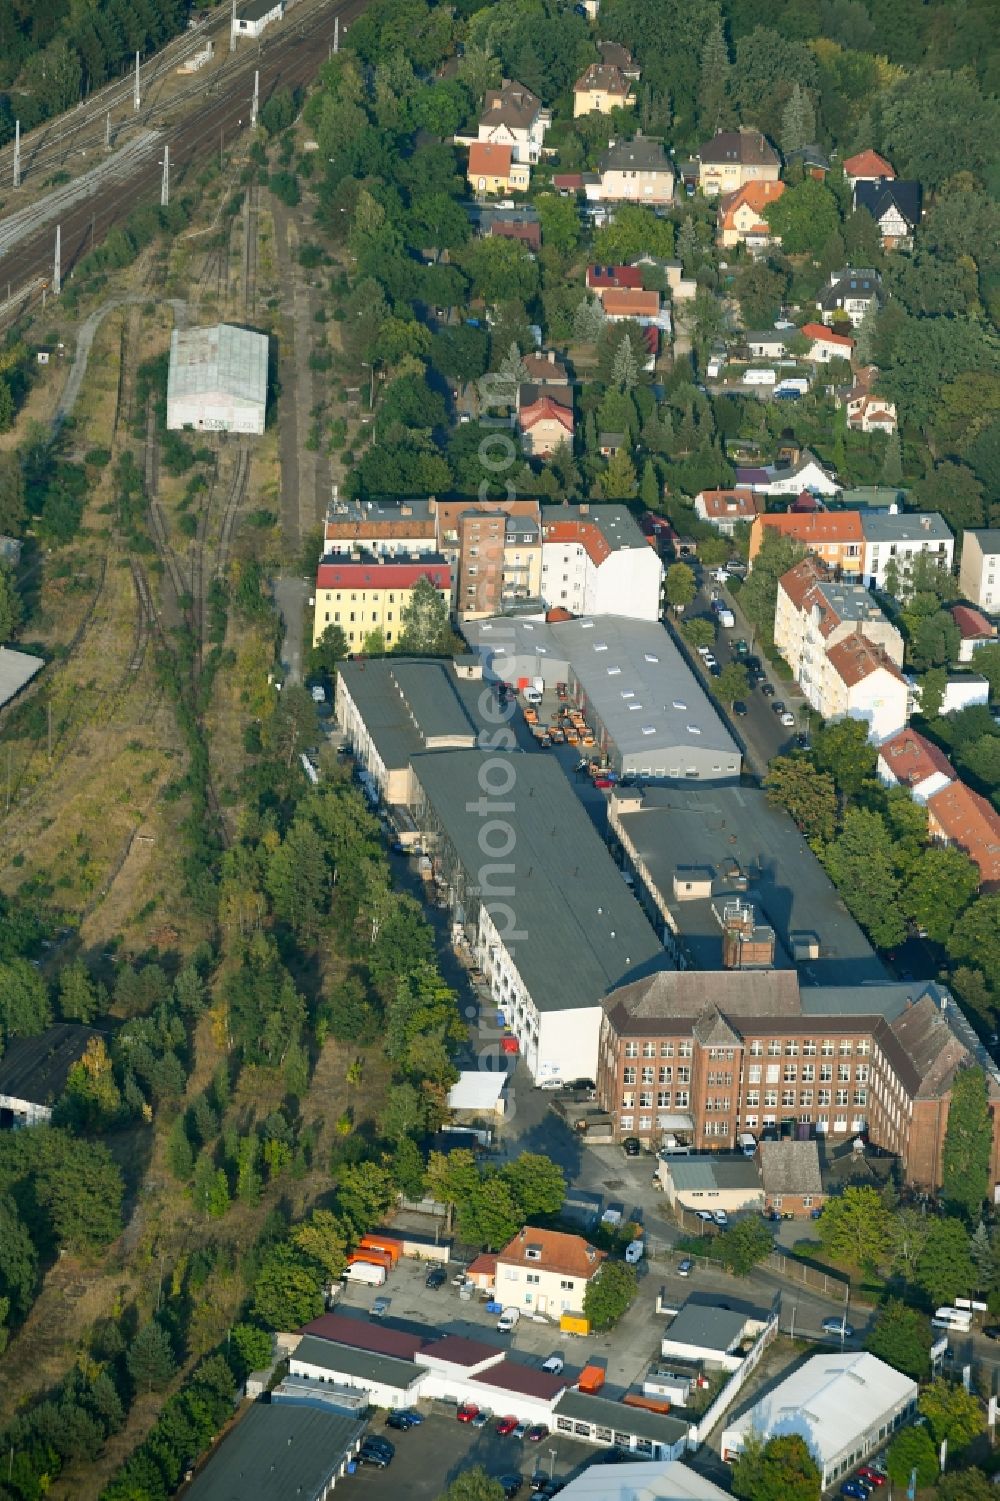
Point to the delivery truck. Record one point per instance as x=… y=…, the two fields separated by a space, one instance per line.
x=366 y=1272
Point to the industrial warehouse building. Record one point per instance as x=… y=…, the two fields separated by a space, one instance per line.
x=251 y=16
x=651 y=718
x=217 y=380
x=843 y=1406
x=533 y=889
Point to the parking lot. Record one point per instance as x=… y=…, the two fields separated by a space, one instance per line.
x=428 y=1458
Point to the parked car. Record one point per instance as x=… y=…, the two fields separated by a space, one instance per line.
x=481 y=1419
x=554 y=1365
x=537 y=1432
x=581 y=1084
x=721 y=1218
x=778 y=707
x=685 y=1267
x=520 y=1430
x=871 y=1476
x=788 y=720
x=635 y=1251
x=510 y=1484
x=404 y=1418
x=550 y=1084
x=839 y=1327
x=379 y=1308
x=466 y=1412
x=992 y=1331
x=767 y=689
x=856 y=1489
x=508 y=1320
x=715 y=671
x=506 y=1426
x=613 y=1215
x=740 y=708
x=631 y=1146
x=704 y=651
x=604 y=783
x=378 y=1458
x=705 y=1214
x=742 y=648
x=436 y=1277
x=318 y=694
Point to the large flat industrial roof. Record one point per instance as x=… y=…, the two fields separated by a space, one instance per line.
x=409 y=703
x=640 y=686
x=713 y=828
x=222 y=360
x=586 y=933
x=278 y=1450
x=35 y=1069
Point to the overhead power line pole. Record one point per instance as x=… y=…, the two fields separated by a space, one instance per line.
x=57 y=267
x=136 y=97
x=17 y=153
x=165 y=184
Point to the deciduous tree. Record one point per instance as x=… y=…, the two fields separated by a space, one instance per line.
x=609 y=1294
x=965 y=1162
x=853 y=1227
x=953 y=1413
x=902 y=1338
x=807 y=795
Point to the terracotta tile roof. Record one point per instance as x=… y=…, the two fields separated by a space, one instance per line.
x=545 y=409
x=739 y=503
x=824 y=335
x=381 y=575
x=972 y=624
x=969 y=821
x=602 y=277
x=856 y=658
x=911 y=758
x=567 y=182
x=630 y=302
x=557 y=615
x=485 y=1265
x=584 y=533
x=800 y=582
x=559 y=1252
x=815 y=526
x=867 y=164
x=364 y=1334
x=489 y=159
x=753 y=195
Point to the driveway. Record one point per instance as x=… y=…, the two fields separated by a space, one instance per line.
x=290 y=595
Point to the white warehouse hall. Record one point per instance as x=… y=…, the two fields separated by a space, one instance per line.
x=217 y=380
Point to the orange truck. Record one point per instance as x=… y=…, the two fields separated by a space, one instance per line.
x=386 y=1243
x=591 y=1379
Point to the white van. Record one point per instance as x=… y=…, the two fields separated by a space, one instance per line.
x=634 y=1252
x=533 y=697
x=726 y=618
x=508 y=1320
x=957 y=1319
x=747 y=1144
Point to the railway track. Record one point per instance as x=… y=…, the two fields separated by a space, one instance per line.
x=250 y=232
x=234 y=500
x=157 y=524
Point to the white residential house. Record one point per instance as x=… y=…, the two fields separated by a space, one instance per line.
x=815 y=611
x=862 y=682
x=724 y=509
x=868 y=413
x=634 y=171
x=910 y=760
x=850 y=294
x=546 y=1271
x=824 y=345
x=514 y=116
x=894 y=540
x=979 y=573
x=596 y=561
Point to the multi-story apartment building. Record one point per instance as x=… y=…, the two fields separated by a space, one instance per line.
x=495 y=550
x=732 y=158
x=979 y=573
x=596 y=561
x=546 y=1271
x=706 y=1056
x=814 y=611
x=835 y=537
x=634 y=171
x=366 y=594
x=383 y=527
x=895 y=540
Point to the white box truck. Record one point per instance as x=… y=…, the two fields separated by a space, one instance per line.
x=760 y=377
x=366 y=1272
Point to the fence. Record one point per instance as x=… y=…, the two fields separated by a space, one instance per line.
x=740 y=1377
x=831 y=1284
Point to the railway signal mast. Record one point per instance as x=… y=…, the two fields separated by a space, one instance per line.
x=17 y=153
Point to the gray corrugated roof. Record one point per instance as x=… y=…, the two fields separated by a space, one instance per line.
x=16 y=669
x=905 y=526
x=988 y=538
x=633 y=675
x=206 y=361
x=35 y=1069
x=407 y=701
x=585 y=931
x=602 y=1412
x=713 y=1172
x=350 y=1361
x=714 y=826
x=277 y=1451
x=710 y=1328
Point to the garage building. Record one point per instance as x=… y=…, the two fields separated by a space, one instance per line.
x=217 y=380
x=251 y=16
x=651 y=718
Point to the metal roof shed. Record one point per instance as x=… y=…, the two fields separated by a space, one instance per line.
x=217 y=379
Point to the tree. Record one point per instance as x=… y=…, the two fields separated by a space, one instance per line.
x=502 y=270
x=79 y=999
x=953 y=490
x=635 y=231
x=324 y=1239
x=732 y=683
x=461 y=352
x=254 y=1346
x=782 y=1469
x=798 y=121
x=804 y=217
x=965 y=1162
x=10 y=604
x=912 y=1449
x=854 y=1226
x=329 y=651
x=24 y=1000
x=902 y=1338
x=625 y=371
x=473 y=1485
x=744 y=1245
x=609 y=1293
x=861 y=866
x=537 y=1183
x=403 y=1112
x=944 y=1268
x=953 y=1413
x=588 y=321
x=942 y=883
x=366 y=1193
x=286 y=1292
x=713 y=81
x=759 y=595
x=680 y=585
x=18 y=1262
x=426 y=626
x=698 y=632
x=619 y=479
x=13 y=511
x=931 y=121
x=807 y=795
x=844 y=750
x=760 y=288
x=560 y=222
x=150 y=1359
x=490 y=1215
x=892 y=460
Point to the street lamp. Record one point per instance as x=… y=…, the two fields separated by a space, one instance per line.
x=552 y=1462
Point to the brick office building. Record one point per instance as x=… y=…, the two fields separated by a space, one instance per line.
x=707 y=1056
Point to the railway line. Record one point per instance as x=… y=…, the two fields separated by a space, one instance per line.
x=193 y=134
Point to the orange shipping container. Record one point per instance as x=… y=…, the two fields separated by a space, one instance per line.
x=649 y=1404
x=384 y=1243
x=370 y=1254
x=591 y=1379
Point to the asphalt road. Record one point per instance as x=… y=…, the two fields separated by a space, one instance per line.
x=289 y=58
